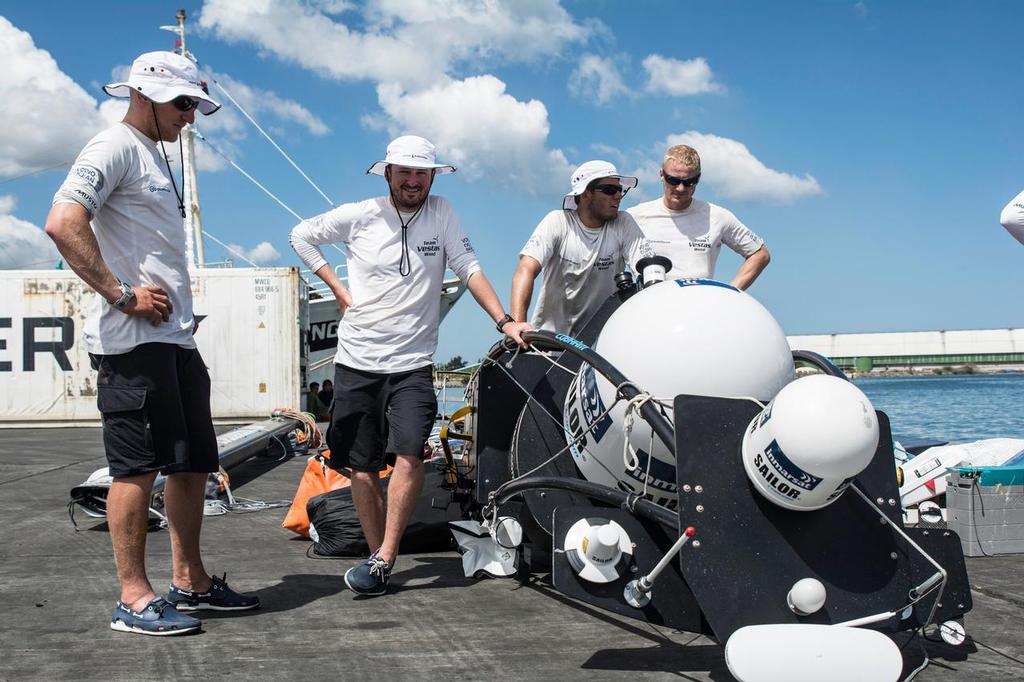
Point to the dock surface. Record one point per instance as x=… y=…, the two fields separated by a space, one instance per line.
x=59 y=586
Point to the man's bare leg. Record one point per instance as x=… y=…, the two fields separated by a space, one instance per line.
x=403 y=491
x=369 y=502
x=183 y=498
x=128 y=519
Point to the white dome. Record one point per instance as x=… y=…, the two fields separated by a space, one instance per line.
x=807 y=444
x=691 y=336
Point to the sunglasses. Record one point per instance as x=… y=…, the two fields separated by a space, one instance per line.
x=685 y=182
x=610 y=190
x=184 y=103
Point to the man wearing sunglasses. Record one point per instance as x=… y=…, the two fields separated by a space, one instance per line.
x=579 y=249
x=117 y=220
x=690 y=232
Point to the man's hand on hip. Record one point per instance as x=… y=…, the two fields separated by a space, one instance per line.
x=150 y=302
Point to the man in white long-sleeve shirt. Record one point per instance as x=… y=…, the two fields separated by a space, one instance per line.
x=384 y=405
x=1012 y=217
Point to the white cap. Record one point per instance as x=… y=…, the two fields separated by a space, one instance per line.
x=163 y=76
x=411 y=151
x=588 y=172
x=595 y=548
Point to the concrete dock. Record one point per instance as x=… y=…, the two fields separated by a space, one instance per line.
x=58 y=589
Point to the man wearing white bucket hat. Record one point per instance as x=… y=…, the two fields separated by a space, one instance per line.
x=384 y=405
x=117 y=220
x=690 y=232
x=579 y=249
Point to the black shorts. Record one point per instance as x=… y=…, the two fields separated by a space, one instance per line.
x=155 y=403
x=377 y=416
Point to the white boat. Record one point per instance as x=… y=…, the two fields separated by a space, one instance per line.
x=924 y=476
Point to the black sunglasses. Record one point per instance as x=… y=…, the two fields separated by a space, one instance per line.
x=184 y=103
x=685 y=182
x=610 y=190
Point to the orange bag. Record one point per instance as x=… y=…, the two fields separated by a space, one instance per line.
x=317 y=479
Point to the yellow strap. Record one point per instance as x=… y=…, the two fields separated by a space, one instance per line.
x=446 y=432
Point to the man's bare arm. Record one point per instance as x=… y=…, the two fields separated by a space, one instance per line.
x=522 y=286
x=68 y=226
x=751 y=268
x=485 y=295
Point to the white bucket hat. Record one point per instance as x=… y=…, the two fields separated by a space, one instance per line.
x=411 y=151
x=163 y=76
x=588 y=172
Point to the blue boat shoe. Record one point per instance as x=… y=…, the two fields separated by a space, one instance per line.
x=158 y=618
x=369 y=578
x=219 y=597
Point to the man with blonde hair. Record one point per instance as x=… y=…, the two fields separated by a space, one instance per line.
x=690 y=232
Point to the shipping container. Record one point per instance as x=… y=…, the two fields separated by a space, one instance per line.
x=251 y=337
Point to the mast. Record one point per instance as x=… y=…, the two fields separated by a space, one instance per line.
x=193 y=220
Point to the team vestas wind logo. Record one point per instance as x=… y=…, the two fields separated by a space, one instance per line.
x=429 y=247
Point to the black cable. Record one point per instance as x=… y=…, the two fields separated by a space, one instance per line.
x=181 y=152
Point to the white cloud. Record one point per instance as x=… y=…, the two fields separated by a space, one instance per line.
x=861 y=8
x=734 y=172
x=263 y=253
x=259 y=103
x=22 y=244
x=679 y=77
x=480 y=128
x=598 y=79
x=412 y=42
x=47 y=116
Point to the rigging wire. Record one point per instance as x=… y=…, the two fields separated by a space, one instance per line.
x=254 y=181
x=269 y=139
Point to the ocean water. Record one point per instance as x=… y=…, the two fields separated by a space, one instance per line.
x=954 y=408
x=951 y=408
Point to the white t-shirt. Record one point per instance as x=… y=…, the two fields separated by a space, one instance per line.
x=392 y=323
x=1012 y=217
x=578 y=266
x=692 y=238
x=120 y=177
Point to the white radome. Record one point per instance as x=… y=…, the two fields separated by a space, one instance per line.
x=802 y=450
x=697 y=337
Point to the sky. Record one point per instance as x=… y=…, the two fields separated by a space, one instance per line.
x=871 y=144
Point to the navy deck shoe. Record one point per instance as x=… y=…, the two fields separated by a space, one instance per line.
x=370 y=577
x=219 y=597
x=158 y=618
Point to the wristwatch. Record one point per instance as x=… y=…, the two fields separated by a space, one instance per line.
x=503 y=321
x=127 y=294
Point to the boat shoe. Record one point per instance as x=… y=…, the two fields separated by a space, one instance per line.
x=158 y=618
x=370 y=577
x=219 y=597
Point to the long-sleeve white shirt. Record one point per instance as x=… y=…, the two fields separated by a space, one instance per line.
x=393 y=321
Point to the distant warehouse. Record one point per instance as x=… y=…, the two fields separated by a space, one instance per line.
x=960 y=350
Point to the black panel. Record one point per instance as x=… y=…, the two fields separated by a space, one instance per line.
x=672 y=602
x=498 y=406
x=751 y=552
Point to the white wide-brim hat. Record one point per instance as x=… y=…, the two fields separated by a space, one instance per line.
x=590 y=171
x=411 y=151
x=163 y=76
